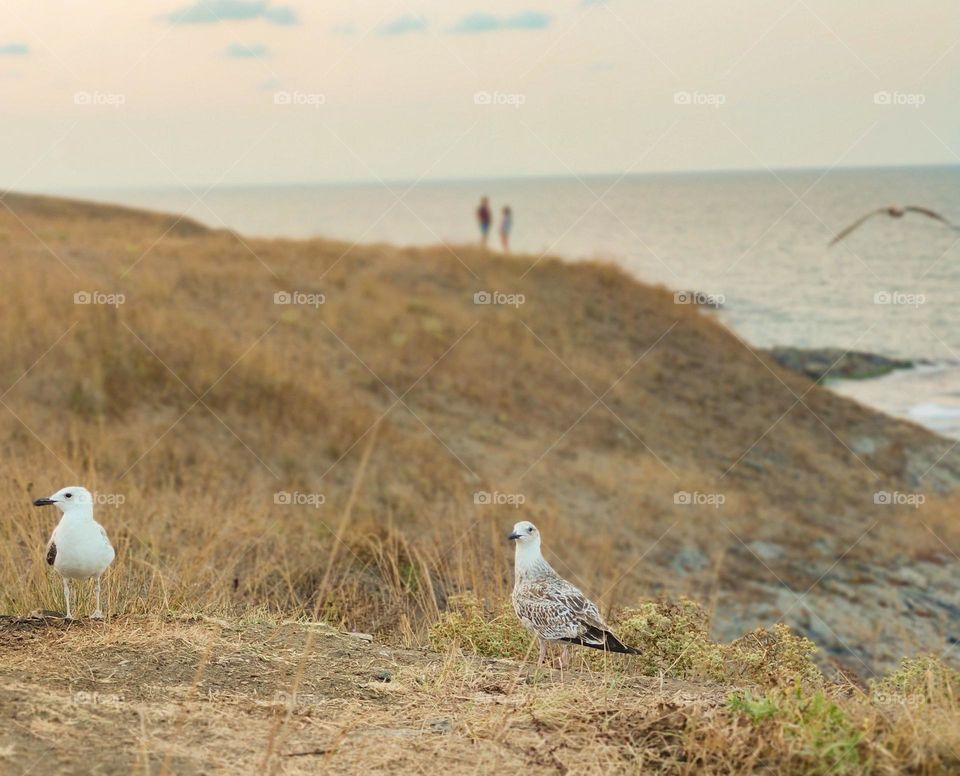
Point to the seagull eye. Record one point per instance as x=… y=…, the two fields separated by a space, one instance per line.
x=530 y=530
x=68 y=495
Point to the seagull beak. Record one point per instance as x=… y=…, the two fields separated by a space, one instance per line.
x=513 y=536
x=44 y=502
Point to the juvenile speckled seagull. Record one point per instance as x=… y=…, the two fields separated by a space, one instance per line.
x=552 y=608
x=79 y=547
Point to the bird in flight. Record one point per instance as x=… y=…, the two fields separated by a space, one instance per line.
x=79 y=547
x=550 y=607
x=894 y=211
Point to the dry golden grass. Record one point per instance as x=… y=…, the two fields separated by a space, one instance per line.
x=199 y=695
x=199 y=399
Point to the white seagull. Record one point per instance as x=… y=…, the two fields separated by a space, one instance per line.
x=552 y=608
x=79 y=547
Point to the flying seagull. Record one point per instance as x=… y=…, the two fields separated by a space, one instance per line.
x=552 y=608
x=79 y=547
x=894 y=211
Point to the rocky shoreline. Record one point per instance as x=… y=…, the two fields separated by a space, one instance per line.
x=836 y=363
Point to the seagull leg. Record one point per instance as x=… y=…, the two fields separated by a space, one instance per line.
x=97 y=613
x=543 y=652
x=66 y=596
x=565 y=656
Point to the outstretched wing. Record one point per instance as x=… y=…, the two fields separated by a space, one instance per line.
x=857 y=223
x=928 y=213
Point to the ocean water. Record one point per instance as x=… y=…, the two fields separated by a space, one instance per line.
x=756 y=240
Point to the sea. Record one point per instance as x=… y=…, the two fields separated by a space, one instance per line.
x=754 y=242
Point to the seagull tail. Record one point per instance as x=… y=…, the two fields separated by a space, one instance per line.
x=612 y=644
x=605 y=640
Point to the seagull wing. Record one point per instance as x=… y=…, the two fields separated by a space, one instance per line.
x=106 y=541
x=584 y=610
x=557 y=611
x=857 y=223
x=929 y=213
x=51 y=551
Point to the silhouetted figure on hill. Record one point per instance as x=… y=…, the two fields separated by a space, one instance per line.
x=506 y=224
x=484 y=217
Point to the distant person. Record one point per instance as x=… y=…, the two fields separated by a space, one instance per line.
x=484 y=217
x=506 y=224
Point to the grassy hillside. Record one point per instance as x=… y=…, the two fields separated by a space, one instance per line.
x=263 y=462
x=397 y=400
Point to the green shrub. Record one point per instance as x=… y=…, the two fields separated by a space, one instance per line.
x=923 y=680
x=672 y=639
x=467 y=625
x=821 y=736
x=773 y=658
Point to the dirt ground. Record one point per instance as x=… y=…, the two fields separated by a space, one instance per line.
x=204 y=696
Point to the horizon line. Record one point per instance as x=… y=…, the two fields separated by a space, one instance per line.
x=506 y=178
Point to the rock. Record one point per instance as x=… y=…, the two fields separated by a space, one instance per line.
x=908 y=576
x=823 y=546
x=847 y=613
x=689 y=560
x=383 y=676
x=818 y=363
x=767 y=550
x=866 y=445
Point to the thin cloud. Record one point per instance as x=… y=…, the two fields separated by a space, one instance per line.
x=14 y=49
x=403 y=25
x=212 y=11
x=487 y=22
x=244 y=51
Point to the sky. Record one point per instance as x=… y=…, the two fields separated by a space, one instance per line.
x=232 y=92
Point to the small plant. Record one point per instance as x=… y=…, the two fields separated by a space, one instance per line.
x=466 y=624
x=827 y=732
x=820 y=735
x=774 y=658
x=672 y=639
x=758 y=709
x=923 y=680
